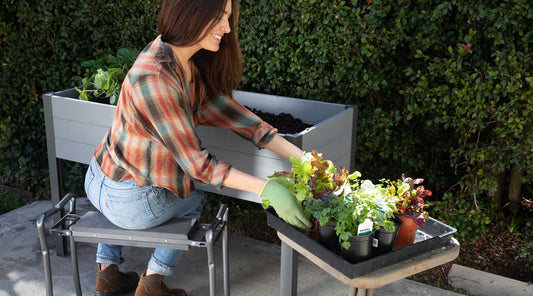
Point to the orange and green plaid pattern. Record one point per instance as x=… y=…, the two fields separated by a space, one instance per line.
x=153 y=139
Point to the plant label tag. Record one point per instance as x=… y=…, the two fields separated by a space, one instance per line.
x=365 y=227
x=375 y=242
x=382 y=210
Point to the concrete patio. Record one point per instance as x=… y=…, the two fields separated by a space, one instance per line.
x=254 y=265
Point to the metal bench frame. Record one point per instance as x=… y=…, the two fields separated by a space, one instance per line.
x=175 y=234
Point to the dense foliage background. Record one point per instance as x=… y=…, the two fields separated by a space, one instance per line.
x=444 y=88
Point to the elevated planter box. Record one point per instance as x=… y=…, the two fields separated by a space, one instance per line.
x=74 y=128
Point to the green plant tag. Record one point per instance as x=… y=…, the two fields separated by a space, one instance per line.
x=365 y=227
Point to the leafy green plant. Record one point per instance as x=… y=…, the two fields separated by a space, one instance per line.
x=341 y=198
x=42 y=44
x=356 y=209
x=410 y=198
x=367 y=202
x=471 y=220
x=104 y=76
x=527 y=250
x=321 y=210
x=385 y=202
x=313 y=177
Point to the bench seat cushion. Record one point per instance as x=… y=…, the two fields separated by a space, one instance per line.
x=93 y=227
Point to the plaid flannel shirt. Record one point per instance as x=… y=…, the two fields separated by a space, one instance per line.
x=152 y=138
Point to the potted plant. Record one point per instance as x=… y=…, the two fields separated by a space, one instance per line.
x=322 y=213
x=410 y=207
x=387 y=223
x=104 y=76
x=344 y=212
x=355 y=225
x=319 y=189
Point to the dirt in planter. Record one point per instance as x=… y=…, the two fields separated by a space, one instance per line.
x=284 y=122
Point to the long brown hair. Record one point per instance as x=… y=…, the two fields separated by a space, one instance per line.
x=186 y=22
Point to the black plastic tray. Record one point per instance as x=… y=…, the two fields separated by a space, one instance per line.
x=431 y=236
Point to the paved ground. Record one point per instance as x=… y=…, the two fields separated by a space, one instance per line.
x=254 y=266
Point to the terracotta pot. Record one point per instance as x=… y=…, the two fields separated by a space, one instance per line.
x=406 y=234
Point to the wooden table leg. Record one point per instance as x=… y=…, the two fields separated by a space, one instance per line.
x=364 y=292
x=360 y=292
x=353 y=291
x=289 y=271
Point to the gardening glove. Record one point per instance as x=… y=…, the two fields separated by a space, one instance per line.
x=285 y=204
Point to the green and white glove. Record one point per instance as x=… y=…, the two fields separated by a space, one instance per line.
x=285 y=204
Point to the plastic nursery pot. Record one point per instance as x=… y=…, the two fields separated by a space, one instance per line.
x=406 y=233
x=327 y=236
x=360 y=248
x=386 y=238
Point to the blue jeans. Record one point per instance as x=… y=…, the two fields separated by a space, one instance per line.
x=131 y=206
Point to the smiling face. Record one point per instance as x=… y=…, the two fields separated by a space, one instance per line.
x=188 y=26
x=212 y=40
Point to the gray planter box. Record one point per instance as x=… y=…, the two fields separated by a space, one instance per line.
x=74 y=128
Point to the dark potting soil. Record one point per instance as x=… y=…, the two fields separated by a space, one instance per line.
x=284 y=122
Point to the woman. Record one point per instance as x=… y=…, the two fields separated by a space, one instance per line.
x=141 y=173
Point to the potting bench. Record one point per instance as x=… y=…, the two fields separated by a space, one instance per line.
x=361 y=285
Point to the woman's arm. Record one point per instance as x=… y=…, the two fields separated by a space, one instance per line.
x=282 y=200
x=284 y=148
x=239 y=180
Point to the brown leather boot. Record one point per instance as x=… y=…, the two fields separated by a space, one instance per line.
x=153 y=285
x=112 y=282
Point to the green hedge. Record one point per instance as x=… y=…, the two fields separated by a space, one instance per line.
x=42 y=46
x=443 y=87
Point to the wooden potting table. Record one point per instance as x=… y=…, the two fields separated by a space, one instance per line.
x=362 y=285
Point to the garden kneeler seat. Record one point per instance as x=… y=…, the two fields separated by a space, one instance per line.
x=93 y=227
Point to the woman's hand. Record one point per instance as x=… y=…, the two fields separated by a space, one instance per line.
x=285 y=204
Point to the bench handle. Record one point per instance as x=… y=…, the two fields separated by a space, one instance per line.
x=59 y=207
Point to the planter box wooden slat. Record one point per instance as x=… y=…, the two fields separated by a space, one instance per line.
x=81 y=111
x=75 y=128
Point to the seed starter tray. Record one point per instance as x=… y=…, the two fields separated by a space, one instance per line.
x=431 y=236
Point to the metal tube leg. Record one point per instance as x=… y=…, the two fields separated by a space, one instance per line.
x=289 y=271
x=76 y=272
x=45 y=252
x=210 y=261
x=225 y=259
x=61 y=241
x=74 y=253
